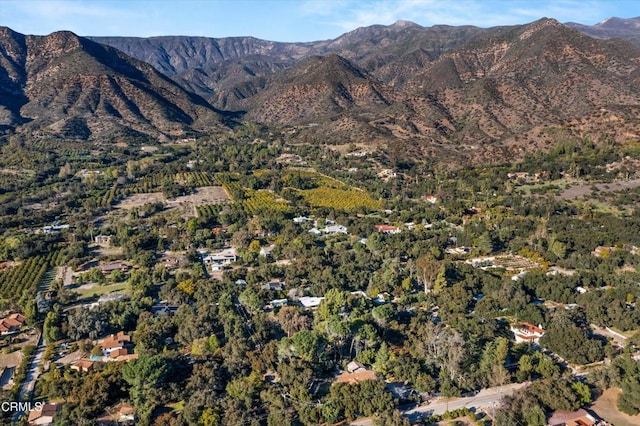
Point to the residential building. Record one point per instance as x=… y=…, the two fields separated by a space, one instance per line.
x=43 y=415
x=309 y=302
x=335 y=229
x=102 y=239
x=108 y=268
x=273 y=286
x=387 y=229
x=356 y=377
x=355 y=366
x=117 y=415
x=526 y=332
x=571 y=418
x=278 y=303
x=115 y=342
x=12 y=323
x=215 y=261
x=82 y=365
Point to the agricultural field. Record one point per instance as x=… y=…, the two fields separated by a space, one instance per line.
x=340 y=199
x=26 y=276
x=262 y=200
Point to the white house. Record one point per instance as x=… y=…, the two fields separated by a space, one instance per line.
x=335 y=229
x=310 y=302
x=215 y=261
x=525 y=332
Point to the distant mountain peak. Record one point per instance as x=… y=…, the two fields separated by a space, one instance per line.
x=403 y=24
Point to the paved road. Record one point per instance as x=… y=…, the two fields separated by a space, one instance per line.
x=29 y=384
x=618 y=338
x=486 y=398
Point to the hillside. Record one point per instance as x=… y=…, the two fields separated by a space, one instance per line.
x=626 y=29
x=65 y=86
x=528 y=86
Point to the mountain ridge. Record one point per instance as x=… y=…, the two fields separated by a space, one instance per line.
x=62 y=85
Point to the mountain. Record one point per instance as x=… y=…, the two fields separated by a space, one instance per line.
x=528 y=86
x=329 y=97
x=466 y=93
x=517 y=89
x=226 y=71
x=66 y=86
x=627 y=29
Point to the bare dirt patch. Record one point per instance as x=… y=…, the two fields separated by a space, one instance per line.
x=201 y=196
x=578 y=191
x=605 y=407
x=139 y=200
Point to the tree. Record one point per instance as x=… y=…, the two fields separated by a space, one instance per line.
x=428 y=267
x=292 y=320
x=146 y=375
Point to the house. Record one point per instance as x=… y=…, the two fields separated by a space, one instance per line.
x=171 y=262
x=163 y=308
x=301 y=219
x=354 y=366
x=215 y=261
x=241 y=282
x=43 y=415
x=356 y=377
x=116 y=353
x=12 y=323
x=82 y=365
x=50 y=229
x=430 y=199
x=117 y=415
x=278 y=303
x=102 y=239
x=315 y=231
x=115 y=342
x=219 y=230
x=266 y=251
x=273 y=286
x=310 y=302
x=108 y=268
x=334 y=229
x=526 y=332
x=458 y=250
x=571 y=418
x=387 y=229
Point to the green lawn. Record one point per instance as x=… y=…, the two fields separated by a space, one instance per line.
x=101 y=289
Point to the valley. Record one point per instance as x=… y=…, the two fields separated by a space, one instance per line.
x=235 y=231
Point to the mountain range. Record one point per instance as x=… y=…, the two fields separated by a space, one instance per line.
x=465 y=92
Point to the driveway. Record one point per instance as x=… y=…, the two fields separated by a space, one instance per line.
x=486 y=398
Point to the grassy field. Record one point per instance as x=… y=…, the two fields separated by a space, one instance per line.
x=100 y=289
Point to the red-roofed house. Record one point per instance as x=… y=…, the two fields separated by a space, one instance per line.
x=572 y=418
x=387 y=229
x=44 y=415
x=356 y=377
x=114 y=342
x=82 y=365
x=526 y=332
x=12 y=323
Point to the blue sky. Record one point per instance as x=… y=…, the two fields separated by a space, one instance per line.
x=287 y=20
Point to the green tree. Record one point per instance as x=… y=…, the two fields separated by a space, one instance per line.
x=146 y=376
